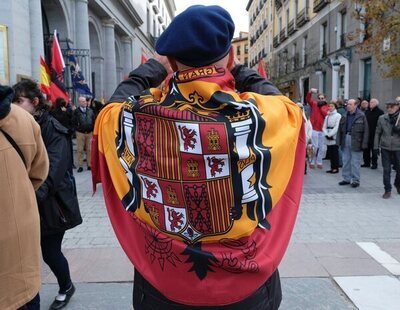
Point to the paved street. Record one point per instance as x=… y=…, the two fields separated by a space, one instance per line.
x=344 y=253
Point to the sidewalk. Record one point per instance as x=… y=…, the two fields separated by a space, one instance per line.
x=345 y=243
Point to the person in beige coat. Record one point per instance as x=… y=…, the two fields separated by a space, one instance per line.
x=20 y=176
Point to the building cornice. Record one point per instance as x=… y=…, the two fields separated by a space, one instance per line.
x=170 y=4
x=127 y=4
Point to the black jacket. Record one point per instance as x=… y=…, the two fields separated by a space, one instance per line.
x=57 y=198
x=152 y=73
x=64 y=117
x=359 y=132
x=372 y=118
x=84 y=121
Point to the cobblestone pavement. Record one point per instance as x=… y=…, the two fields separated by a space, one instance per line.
x=333 y=223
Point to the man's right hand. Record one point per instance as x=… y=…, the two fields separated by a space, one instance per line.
x=163 y=60
x=314 y=90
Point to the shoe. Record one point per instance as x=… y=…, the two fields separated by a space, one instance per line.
x=344 y=182
x=386 y=195
x=374 y=167
x=312 y=166
x=57 y=304
x=80 y=169
x=88 y=168
x=319 y=166
x=365 y=165
x=334 y=171
x=328 y=171
x=355 y=184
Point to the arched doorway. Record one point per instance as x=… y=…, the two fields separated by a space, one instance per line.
x=118 y=65
x=97 y=60
x=55 y=17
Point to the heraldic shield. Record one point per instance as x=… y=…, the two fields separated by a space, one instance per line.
x=193 y=172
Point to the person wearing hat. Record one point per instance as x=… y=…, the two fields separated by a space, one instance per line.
x=199 y=177
x=24 y=165
x=387 y=138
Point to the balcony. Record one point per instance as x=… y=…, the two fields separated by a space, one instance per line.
x=282 y=35
x=302 y=18
x=319 y=5
x=160 y=19
x=265 y=24
x=291 y=28
x=278 y=4
x=156 y=10
x=276 y=41
x=343 y=40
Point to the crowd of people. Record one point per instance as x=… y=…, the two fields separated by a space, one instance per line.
x=39 y=186
x=184 y=171
x=352 y=132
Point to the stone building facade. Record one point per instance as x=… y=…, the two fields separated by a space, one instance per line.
x=241 y=47
x=109 y=37
x=311 y=48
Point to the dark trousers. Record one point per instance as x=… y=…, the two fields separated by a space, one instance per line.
x=370 y=157
x=389 y=158
x=55 y=259
x=267 y=297
x=333 y=151
x=34 y=304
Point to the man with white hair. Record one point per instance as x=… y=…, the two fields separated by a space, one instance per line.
x=387 y=138
x=372 y=114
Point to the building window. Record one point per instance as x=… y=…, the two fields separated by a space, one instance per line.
x=287 y=20
x=246 y=48
x=324 y=82
x=324 y=40
x=280 y=23
x=343 y=29
x=148 y=20
x=238 y=50
x=366 y=92
x=304 y=52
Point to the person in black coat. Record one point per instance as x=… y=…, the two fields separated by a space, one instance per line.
x=372 y=114
x=57 y=198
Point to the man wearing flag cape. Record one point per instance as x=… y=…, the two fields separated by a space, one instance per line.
x=202 y=179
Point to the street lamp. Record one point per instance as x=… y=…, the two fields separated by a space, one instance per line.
x=318 y=69
x=335 y=64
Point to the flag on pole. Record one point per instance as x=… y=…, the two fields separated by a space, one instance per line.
x=57 y=60
x=57 y=70
x=47 y=87
x=78 y=81
x=261 y=69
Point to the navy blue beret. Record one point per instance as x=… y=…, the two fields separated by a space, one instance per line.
x=198 y=36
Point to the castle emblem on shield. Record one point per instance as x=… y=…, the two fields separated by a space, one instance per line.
x=196 y=175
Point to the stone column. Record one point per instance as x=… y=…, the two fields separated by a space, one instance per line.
x=82 y=25
x=110 y=70
x=36 y=32
x=128 y=57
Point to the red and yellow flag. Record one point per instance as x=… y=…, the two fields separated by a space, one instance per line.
x=47 y=87
x=202 y=185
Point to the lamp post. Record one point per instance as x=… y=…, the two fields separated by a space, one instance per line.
x=335 y=64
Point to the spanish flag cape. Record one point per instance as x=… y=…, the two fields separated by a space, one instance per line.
x=202 y=184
